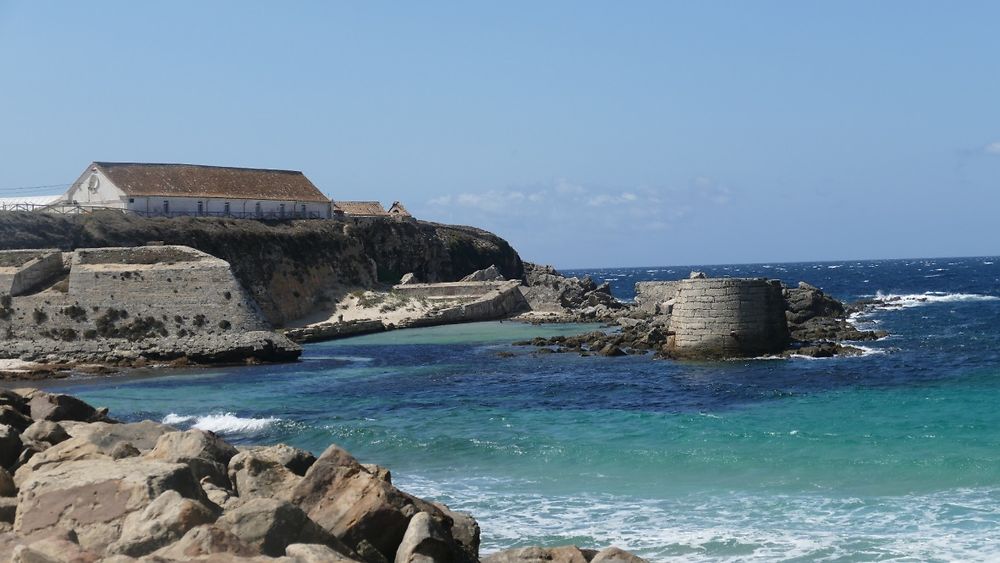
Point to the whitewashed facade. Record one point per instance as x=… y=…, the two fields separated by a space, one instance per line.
x=190 y=190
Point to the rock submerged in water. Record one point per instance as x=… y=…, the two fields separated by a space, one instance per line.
x=189 y=495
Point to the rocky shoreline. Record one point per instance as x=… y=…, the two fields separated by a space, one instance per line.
x=78 y=486
x=818 y=325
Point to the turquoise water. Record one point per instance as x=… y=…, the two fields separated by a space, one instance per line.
x=894 y=455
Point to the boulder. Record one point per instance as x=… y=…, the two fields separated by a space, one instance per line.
x=611 y=350
x=256 y=474
x=464 y=530
x=163 y=521
x=270 y=525
x=616 y=555
x=296 y=460
x=8 y=509
x=56 y=406
x=14 y=418
x=57 y=549
x=143 y=435
x=425 y=541
x=315 y=553
x=219 y=496
x=98 y=440
x=486 y=274
x=7 y=486
x=94 y=496
x=206 y=453
x=10 y=446
x=378 y=471
x=355 y=505
x=563 y=554
x=206 y=540
x=46 y=431
x=193 y=443
x=15 y=400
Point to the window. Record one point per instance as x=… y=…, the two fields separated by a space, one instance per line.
x=281 y=210
x=303 y=211
x=225 y=208
x=201 y=208
x=257 y=210
x=131 y=200
x=166 y=207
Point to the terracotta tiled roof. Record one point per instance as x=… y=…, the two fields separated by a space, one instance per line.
x=368 y=208
x=192 y=180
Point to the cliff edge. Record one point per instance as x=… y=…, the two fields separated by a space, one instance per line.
x=287 y=267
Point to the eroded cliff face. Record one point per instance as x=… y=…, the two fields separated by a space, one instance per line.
x=290 y=266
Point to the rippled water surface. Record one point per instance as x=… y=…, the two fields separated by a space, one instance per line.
x=892 y=455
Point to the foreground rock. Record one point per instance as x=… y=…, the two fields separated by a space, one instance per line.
x=88 y=489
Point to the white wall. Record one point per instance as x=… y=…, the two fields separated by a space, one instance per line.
x=217 y=206
x=94 y=188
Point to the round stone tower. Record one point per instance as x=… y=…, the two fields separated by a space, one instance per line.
x=727 y=317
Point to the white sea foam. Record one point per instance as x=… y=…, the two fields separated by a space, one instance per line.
x=341 y=358
x=956 y=524
x=224 y=423
x=896 y=301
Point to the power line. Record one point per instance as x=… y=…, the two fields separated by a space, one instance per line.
x=26 y=188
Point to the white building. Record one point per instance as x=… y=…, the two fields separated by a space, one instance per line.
x=189 y=189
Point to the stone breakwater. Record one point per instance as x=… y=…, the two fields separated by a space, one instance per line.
x=127 y=306
x=77 y=486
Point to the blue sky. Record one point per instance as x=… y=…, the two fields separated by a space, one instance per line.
x=586 y=133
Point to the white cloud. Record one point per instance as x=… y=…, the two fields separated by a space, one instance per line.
x=992 y=148
x=561 y=206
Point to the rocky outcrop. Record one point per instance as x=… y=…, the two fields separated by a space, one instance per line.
x=288 y=267
x=488 y=274
x=547 y=291
x=80 y=499
x=712 y=318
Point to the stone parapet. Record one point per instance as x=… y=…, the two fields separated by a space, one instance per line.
x=23 y=271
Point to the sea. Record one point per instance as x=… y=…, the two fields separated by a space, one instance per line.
x=893 y=455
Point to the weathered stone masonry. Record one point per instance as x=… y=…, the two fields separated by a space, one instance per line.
x=156 y=301
x=725 y=317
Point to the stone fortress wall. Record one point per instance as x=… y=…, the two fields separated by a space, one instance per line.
x=21 y=271
x=727 y=317
x=141 y=296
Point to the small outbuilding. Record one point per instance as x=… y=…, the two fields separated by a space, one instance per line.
x=191 y=189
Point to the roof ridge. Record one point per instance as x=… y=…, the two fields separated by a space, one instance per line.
x=112 y=164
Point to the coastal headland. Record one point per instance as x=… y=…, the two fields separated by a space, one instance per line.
x=106 y=290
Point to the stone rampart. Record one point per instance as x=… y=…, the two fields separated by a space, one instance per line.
x=23 y=271
x=143 y=301
x=727 y=317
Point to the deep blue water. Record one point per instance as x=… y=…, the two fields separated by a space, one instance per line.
x=895 y=454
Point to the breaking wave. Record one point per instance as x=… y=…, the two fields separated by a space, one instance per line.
x=892 y=300
x=225 y=423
